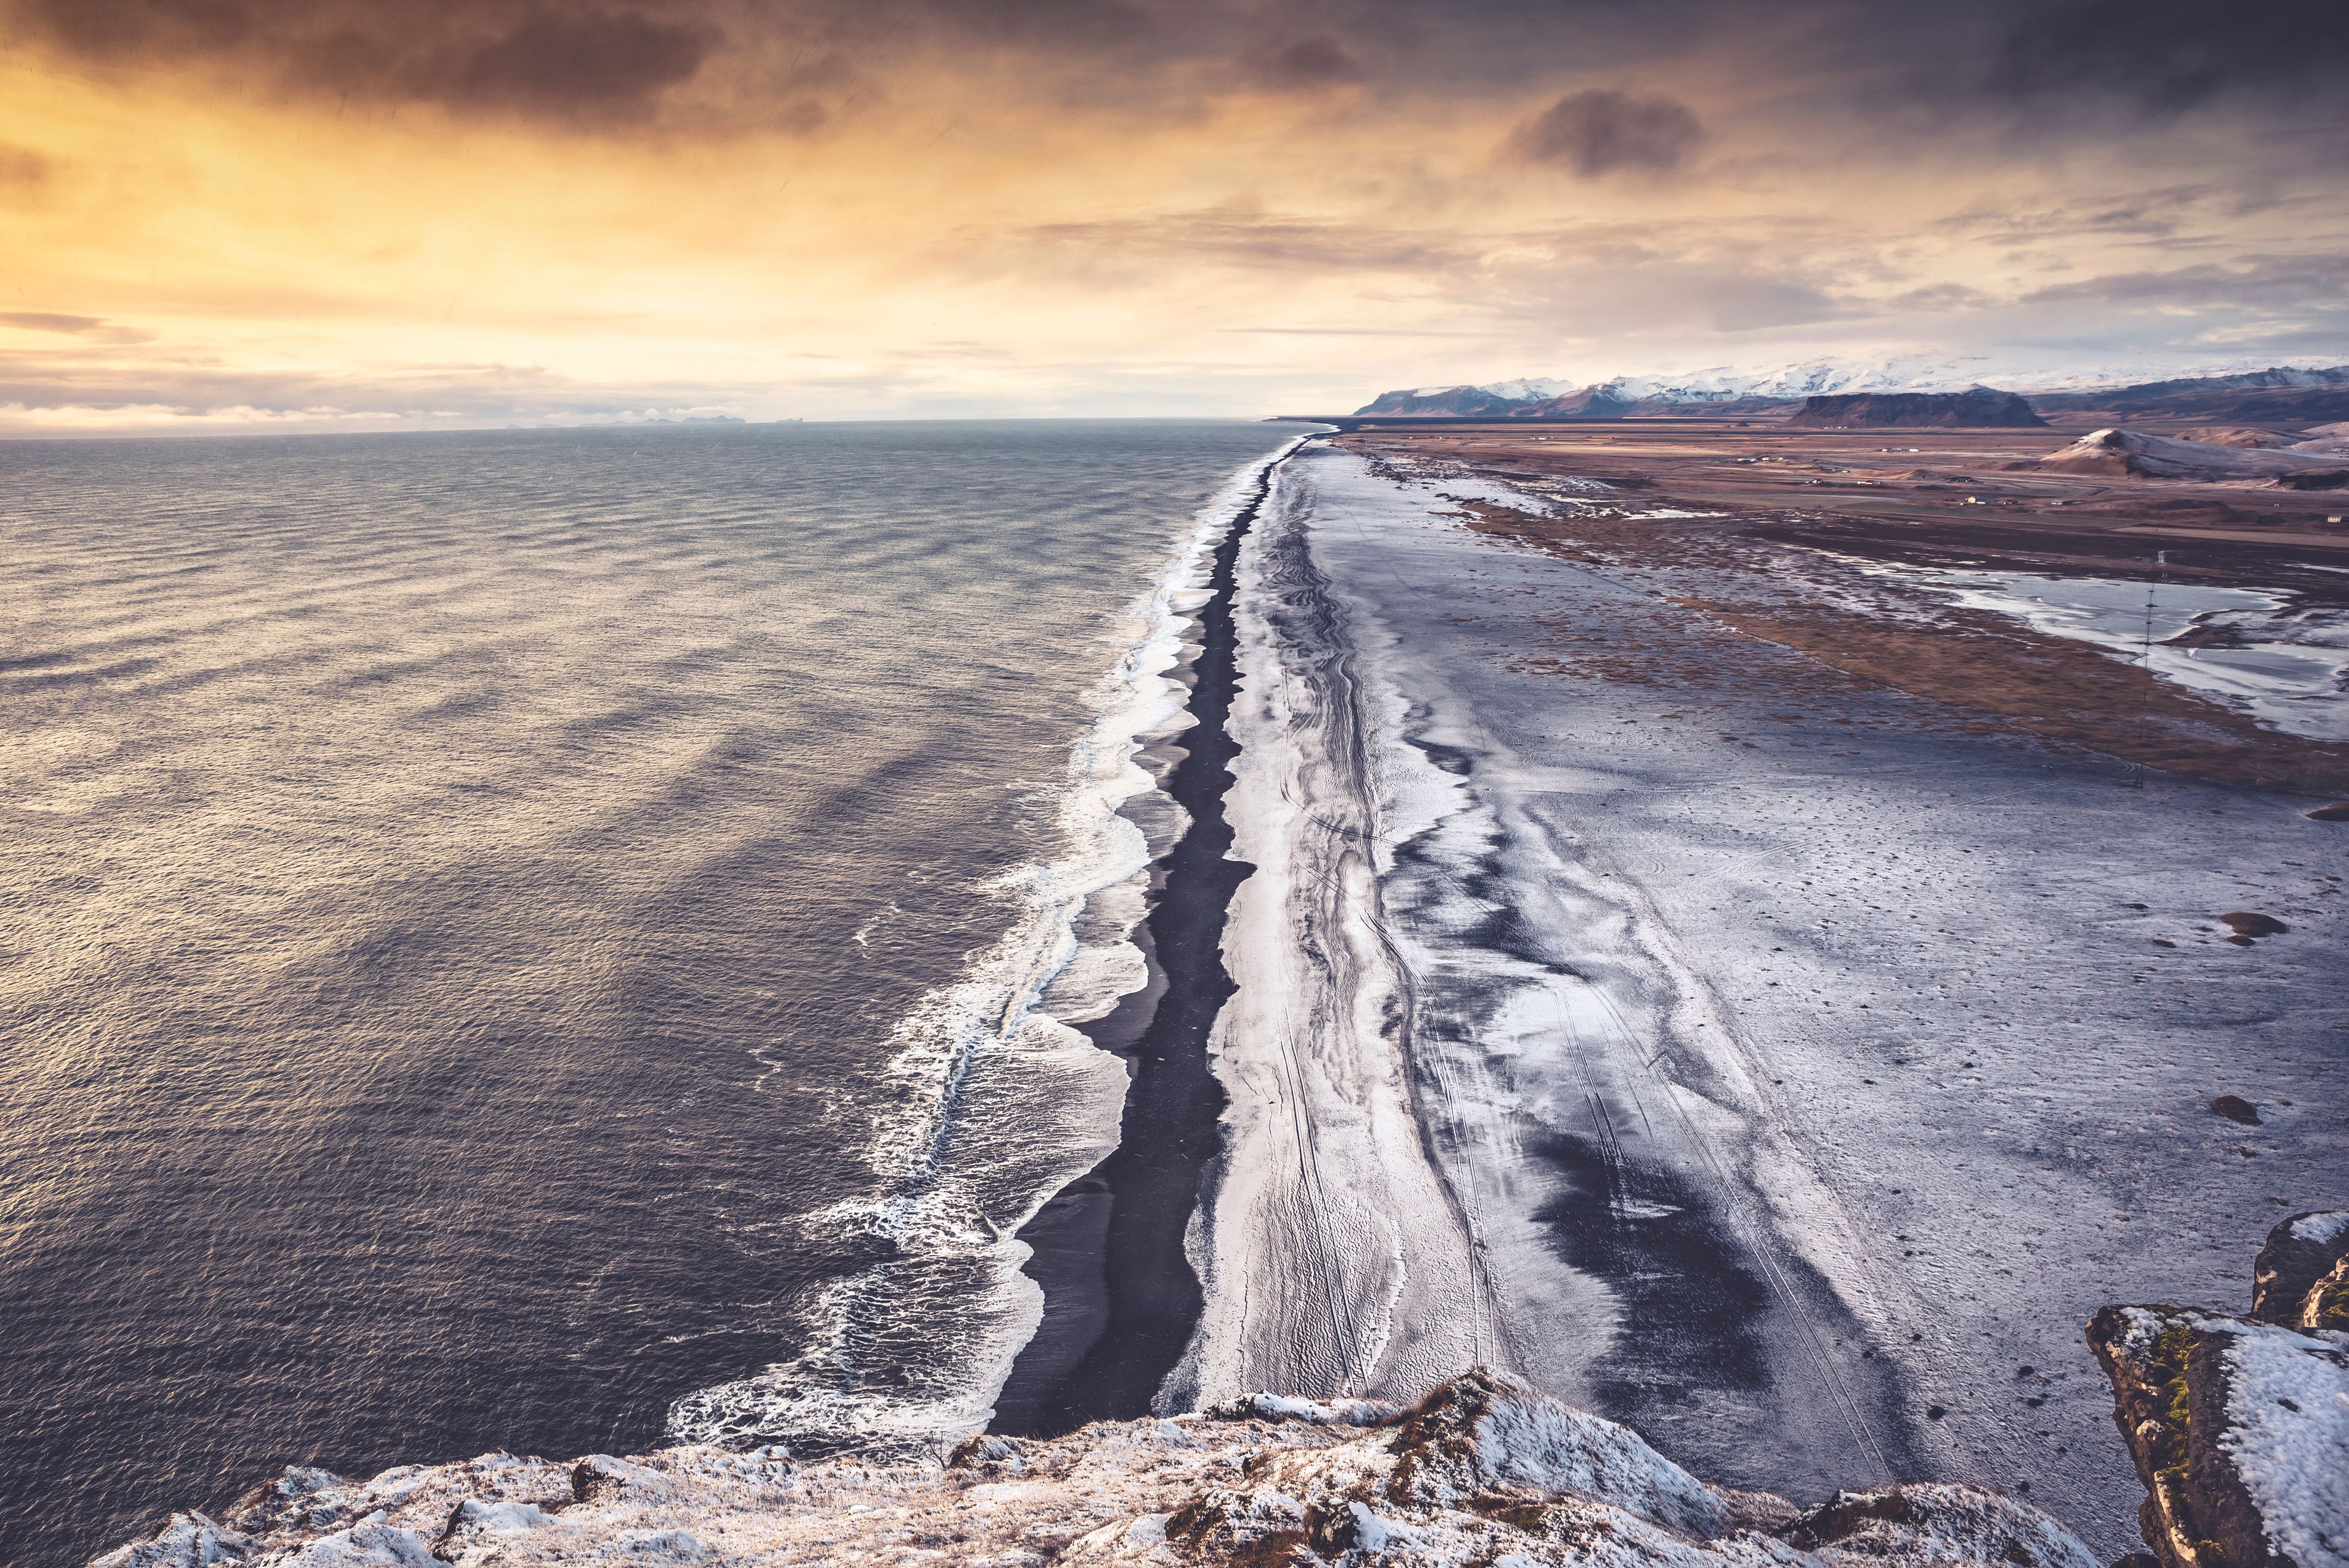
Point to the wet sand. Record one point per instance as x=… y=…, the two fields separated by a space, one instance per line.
x=1120 y=1298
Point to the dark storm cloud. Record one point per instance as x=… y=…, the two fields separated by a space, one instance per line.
x=1310 y=63
x=559 y=64
x=620 y=61
x=1599 y=131
x=2164 y=57
x=534 y=58
x=587 y=60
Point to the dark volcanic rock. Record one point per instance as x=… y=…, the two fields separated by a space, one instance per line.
x=2236 y=1473
x=2234 y=436
x=1978 y=406
x=2236 y=1108
x=1483 y=1470
x=1876 y=1526
x=2300 y=1253
x=2315 y=480
x=2244 y=922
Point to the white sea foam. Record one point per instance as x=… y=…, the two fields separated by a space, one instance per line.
x=1002 y=1102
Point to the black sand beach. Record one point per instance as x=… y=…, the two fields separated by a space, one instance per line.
x=1120 y=1298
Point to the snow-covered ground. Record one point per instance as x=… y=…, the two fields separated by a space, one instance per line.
x=1790 y=1078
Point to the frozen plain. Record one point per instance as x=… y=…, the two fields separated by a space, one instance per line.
x=1788 y=1075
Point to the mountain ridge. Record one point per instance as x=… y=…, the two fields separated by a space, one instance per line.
x=2309 y=393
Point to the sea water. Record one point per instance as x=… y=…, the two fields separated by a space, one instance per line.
x=558 y=940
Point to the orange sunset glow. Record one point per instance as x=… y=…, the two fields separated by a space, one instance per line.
x=230 y=213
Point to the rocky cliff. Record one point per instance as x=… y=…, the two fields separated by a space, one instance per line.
x=1978 y=407
x=2239 y=1426
x=1483 y=1470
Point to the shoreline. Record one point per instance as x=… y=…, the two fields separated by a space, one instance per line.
x=1120 y=1298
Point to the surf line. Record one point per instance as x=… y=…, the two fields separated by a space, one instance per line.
x=1120 y=1298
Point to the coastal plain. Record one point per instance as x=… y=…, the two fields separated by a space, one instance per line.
x=1747 y=976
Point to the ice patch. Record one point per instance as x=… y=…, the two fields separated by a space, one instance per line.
x=2286 y=666
x=2261 y=651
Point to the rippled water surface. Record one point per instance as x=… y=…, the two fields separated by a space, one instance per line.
x=481 y=919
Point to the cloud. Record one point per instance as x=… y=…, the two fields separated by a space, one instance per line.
x=23 y=169
x=650 y=194
x=1147 y=247
x=614 y=62
x=2250 y=285
x=90 y=327
x=2165 y=57
x=1311 y=63
x=551 y=59
x=1939 y=297
x=1599 y=131
x=591 y=62
x=49 y=321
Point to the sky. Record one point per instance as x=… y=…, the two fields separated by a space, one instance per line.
x=364 y=214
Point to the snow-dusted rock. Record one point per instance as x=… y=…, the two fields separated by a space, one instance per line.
x=1483 y=1470
x=2241 y=1433
x=187 y=1541
x=1270 y=1407
x=1903 y=1525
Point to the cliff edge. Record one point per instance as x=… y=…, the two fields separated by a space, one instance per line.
x=2239 y=1426
x=1979 y=408
x=1483 y=1470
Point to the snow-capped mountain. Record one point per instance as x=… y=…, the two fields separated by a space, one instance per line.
x=1525 y=391
x=1728 y=389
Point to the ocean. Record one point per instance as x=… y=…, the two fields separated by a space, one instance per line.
x=559 y=940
